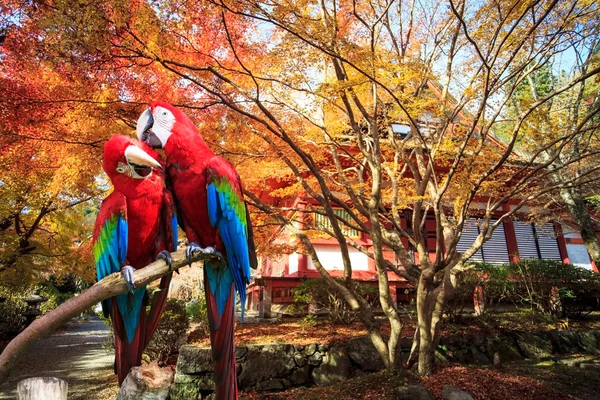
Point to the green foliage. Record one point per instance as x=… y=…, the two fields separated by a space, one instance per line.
x=547 y=286
x=58 y=289
x=317 y=292
x=11 y=313
x=554 y=287
x=197 y=312
x=309 y=321
x=173 y=325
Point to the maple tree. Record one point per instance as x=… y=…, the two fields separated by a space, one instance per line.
x=304 y=96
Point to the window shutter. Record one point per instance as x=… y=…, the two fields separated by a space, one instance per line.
x=495 y=250
x=547 y=242
x=469 y=234
x=525 y=240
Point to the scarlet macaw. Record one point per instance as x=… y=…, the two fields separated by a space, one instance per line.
x=211 y=207
x=136 y=225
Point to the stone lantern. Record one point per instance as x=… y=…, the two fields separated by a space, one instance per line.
x=34 y=303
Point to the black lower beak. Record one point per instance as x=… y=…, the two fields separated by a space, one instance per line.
x=153 y=141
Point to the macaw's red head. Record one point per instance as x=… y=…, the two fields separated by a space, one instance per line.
x=160 y=122
x=126 y=158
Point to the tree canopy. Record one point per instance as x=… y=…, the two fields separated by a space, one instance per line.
x=449 y=109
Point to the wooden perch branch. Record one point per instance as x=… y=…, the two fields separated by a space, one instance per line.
x=110 y=286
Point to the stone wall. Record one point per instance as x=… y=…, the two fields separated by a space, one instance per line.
x=511 y=346
x=280 y=366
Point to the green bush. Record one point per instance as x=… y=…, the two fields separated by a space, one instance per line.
x=197 y=312
x=58 y=289
x=547 y=286
x=493 y=279
x=318 y=293
x=553 y=287
x=173 y=324
x=11 y=314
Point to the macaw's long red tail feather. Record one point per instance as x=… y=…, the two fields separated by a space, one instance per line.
x=159 y=301
x=221 y=339
x=128 y=355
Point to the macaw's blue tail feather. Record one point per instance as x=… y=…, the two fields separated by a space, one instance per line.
x=130 y=306
x=219 y=279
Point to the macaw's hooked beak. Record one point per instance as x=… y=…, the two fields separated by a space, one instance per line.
x=140 y=161
x=144 y=130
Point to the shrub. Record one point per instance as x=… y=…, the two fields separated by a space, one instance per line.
x=11 y=314
x=553 y=287
x=197 y=312
x=317 y=292
x=172 y=327
x=58 y=289
x=493 y=279
x=548 y=286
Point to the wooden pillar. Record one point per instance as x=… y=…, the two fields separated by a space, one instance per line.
x=511 y=238
x=264 y=304
x=45 y=388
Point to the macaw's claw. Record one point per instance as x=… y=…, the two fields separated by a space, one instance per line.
x=165 y=255
x=127 y=272
x=194 y=249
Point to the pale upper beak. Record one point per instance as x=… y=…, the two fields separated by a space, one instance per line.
x=138 y=157
x=144 y=124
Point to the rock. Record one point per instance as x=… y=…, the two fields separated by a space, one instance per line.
x=362 y=351
x=300 y=359
x=497 y=361
x=315 y=360
x=569 y=362
x=589 y=342
x=310 y=349
x=240 y=352
x=413 y=392
x=194 y=360
x=184 y=391
x=323 y=348
x=266 y=362
x=334 y=368
x=452 y=393
x=300 y=376
x=272 y=384
x=505 y=346
x=534 y=346
x=191 y=386
x=565 y=342
x=478 y=357
x=148 y=382
x=590 y=366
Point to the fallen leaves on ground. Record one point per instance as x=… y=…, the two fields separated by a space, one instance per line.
x=291 y=332
x=488 y=384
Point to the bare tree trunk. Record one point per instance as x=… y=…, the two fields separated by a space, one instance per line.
x=110 y=286
x=424 y=319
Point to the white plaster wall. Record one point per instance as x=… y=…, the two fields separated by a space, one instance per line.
x=331 y=258
x=293 y=263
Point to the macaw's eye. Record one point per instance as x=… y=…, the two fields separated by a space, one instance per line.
x=120 y=170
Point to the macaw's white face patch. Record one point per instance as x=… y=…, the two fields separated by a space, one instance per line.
x=163 y=124
x=155 y=127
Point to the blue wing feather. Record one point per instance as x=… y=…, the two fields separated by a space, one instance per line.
x=233 y=232
x=110 y=253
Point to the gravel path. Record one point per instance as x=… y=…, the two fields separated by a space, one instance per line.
x=75 y=354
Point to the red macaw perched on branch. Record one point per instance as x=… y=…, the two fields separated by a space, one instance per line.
x=135 y=226
x=211 y=207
